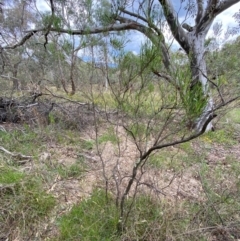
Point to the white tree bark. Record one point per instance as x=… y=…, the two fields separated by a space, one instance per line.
x=199 y=73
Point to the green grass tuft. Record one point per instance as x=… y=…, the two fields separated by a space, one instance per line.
x=9 y=176
x=25 y=204
x=110 y=136
x=92 y=219
x=75 y=170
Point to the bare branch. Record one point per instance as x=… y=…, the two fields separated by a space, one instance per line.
x=18 y=156
x=157 y=40
x=50 y=24
x=200 y=11
x=166 y=77
x=133 y=15
x=96 y=30
x=150 y=23
x=86 y=31
x=9 y=77
x=23 y=40
x=187 y=27
x=174 y=24
x=213 y=9
x=194 y=136
x=218 y=90
x=225 y=5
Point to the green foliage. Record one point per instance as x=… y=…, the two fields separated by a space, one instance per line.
x=117 y=43
x=109 y=135
x=54 y=21
x=139 y=130
x=75 y=170
x=187 y=147
x=153 y=219
x=23 y=141
x=143 y=219
x=223 y=136
x=105 y=100
x=235 y=115
x=177 y=159
x=223 y=65
x=24 y=202
x=104 y=13
x=95 y=218
x=51 y=118
x=222 y=200
x=67 y=46
x=33 y=200
x=150 y=57
x=87 y=144
x=193 y=99
x=9 y=175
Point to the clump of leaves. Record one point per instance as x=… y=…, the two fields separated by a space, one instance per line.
x=192 y=96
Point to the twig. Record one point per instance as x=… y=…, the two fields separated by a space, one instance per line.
x=7 y=187
x=2 y=129
x=151 y=186
x=64 y=98
x=88 y=157
x=18 y=156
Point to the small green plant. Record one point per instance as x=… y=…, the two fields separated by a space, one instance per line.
x=24 y=202
x=109 y=135
x=104 y=99
x=75 y=171
x=51 y=118
x=235 y=115
x=175 y=160
x=186 y=147
x=35 y=201
x=159 y=160
x=23 y=141
x=9 y=175
x=223 y=136
x=95 y=218
x=87 y=144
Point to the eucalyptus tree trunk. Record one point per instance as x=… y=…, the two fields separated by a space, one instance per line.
x=199 y=77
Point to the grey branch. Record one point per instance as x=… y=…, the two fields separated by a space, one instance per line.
x=86 y=31
x=133 y=15
x=174 y=24
x=194 y=136
x=95 y=30
x=18 y=156
x=200 y=11
x=9 y=77
x=23 y=40
x=187 y=27
x=213 y=9
x=137 y=16
x=225 y=5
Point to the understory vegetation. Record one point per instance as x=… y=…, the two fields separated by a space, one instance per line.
x=59 y=193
